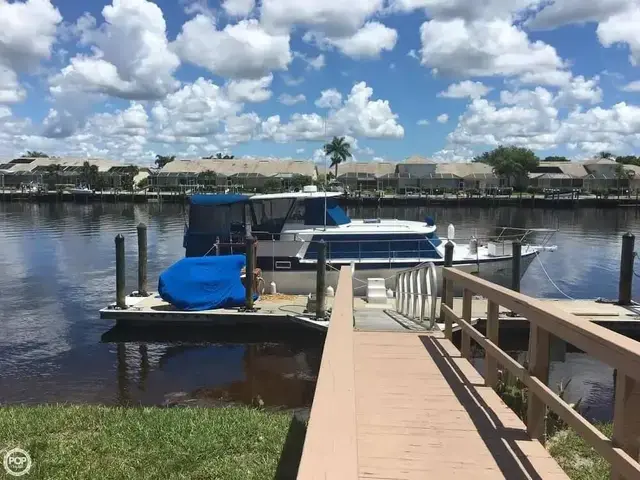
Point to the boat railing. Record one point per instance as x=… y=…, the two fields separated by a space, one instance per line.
x=417 y=293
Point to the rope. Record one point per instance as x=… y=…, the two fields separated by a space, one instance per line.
x=552 y=282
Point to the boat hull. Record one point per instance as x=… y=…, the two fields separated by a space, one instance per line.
x=302 y=282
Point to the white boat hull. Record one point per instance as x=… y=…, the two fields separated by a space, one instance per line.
x=303 y=282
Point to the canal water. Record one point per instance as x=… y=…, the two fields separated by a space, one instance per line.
x=57 y=270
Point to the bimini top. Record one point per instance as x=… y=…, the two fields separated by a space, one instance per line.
x=217 y=199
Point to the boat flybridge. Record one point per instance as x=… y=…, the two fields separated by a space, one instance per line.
x=289 y=227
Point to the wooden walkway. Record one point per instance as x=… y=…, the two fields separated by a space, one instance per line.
x=401 y=404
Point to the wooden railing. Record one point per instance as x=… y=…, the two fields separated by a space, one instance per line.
x=330 y=449
x=618 y=351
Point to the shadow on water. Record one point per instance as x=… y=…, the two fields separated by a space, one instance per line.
x=216 y=366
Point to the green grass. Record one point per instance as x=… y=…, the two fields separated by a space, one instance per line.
x=89 y=442
x=577 y=459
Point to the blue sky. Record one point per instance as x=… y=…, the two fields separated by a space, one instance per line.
x=444 y=79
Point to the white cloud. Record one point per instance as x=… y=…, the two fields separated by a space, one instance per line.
x=465 y=89
x=131 y=56
x=422 y=122
x=243 y=50
x=443 y=118
x=562 y=12
x=292 y=81
x=330 y=98
x=299 y=150
x=333 y=18
x=367 y=42
x=632 y=86
x=316 y=63
x=623 y=28
x=289 y=100
x=238 y=8
x=10 y=89
x=357 y=115
x=580 y=90
x=250 y=90
x=448 y=9
x=412 y=53
x=28 y=34
x=483 y=48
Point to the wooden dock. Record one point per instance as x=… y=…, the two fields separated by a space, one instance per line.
x=402 y=404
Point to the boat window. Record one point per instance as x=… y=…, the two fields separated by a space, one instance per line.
x=297 y=212
x=315 y=207
x=270 y=215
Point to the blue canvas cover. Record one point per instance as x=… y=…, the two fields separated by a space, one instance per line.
x=204 y=283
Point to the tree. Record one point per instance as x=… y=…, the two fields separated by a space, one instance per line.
x=208 y=178
x=128 y=179
x=554 y=158
x=100 y=182
x=339 y=151
x=628 y=160
x=605 y=155
x=162 y=160
x=54 y=171
x=220 y=156
x=272 y=185
x=298 y=182
x=89 y=173
x=35 y=154
x=513 y=163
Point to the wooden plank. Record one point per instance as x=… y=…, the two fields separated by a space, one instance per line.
x=465 y=347
x=330 y=446
x=539 y=342
x=609 y=347
x=490 y=361
x=626 y=418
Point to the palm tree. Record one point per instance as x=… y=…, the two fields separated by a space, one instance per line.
x=54 y=170
x=162 y=160
x=605 y=155
x=339 y=150
x=35 y=154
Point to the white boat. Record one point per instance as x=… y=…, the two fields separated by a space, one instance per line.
x=81 y=190
x=290 y=226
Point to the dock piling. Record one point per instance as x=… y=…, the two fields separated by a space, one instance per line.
x=142 y=259
x=120 y=273
x=321 y=277
x=447 y=292
x=251 y=266
x=515 y=267
x=626 y=269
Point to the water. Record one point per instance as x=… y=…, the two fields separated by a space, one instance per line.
x=57 y=270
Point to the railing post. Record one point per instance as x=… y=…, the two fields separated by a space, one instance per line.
x=251 y=266
x=466 y=316
x=142 y=259
x=447 y=290
x=321 y=275
x=515 y=265
x=493 y=333
x=626 y=269
x=120 y=273
x=626 y=417
x=539 y=342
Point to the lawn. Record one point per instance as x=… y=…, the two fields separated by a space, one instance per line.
x=86 y=442
x=577 y=459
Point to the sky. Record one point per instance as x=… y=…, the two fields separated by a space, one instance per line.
x=443 y=79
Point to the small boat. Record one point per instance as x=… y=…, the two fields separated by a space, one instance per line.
x=289 y=227
x=81 y=190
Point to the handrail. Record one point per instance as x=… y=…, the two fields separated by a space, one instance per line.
x=330 y=445
x=417 y=293
x=616 y=350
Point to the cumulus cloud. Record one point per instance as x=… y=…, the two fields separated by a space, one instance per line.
x=333 y=18
x=368 y=42
x=289 y=100
x=330 y=98
x=243 y=50
x=131 y=56
x=563 y=12
x=632 y=86
x=238 y=8
x=448 y=9
x=250 y=90
x=443 y=118
x=622 y=28
x=483 y=48
x=422 y=122
x=465 y=89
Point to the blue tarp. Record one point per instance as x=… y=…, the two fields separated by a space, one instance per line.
x=217 y=199
x=204 y=283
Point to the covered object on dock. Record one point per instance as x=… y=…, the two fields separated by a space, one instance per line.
x=204 y=283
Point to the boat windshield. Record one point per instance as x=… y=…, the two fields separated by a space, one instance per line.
x=269 y=215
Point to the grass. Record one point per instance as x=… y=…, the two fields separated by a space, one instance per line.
x=78 y=442
x=577 y=459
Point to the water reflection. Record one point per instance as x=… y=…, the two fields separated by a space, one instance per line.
x=57 y=270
